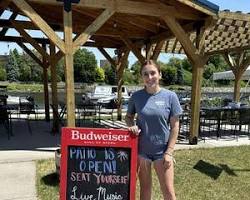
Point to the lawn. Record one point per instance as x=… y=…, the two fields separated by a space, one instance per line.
x=200 y=174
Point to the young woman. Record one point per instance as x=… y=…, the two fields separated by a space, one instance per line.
x=157 y=113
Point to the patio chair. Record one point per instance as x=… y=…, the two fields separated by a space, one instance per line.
x=244 y=121
x=209 y=123
x=108 y=110
x=230 y=123
x=184 y=126
x=27 y=108
x=4 y=115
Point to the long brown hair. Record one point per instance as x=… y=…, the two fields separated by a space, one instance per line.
x=151 y=62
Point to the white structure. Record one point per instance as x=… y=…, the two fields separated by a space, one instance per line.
x=228 y=75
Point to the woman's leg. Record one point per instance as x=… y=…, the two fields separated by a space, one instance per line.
x=144 y=173
x=166 y=179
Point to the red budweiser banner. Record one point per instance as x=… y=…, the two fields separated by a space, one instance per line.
x=98 y=164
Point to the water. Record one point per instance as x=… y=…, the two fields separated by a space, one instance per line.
x=39 y=96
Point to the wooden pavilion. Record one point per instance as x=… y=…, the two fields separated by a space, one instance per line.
x=124 y=25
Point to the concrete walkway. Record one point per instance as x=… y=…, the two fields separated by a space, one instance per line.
x=17 y=156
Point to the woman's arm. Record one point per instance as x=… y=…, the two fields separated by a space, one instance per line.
x=129 y=119
x=174 y=131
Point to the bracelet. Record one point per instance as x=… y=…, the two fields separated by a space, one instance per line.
x=171 y=155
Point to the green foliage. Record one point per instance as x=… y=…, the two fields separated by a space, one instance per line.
x=12 y=67
x=169 y=74
x=110 y=75
x=187 y=77
x=100 y=75
x=84 y=66
x=3 y=75
x=208 y=71
x=20 y=87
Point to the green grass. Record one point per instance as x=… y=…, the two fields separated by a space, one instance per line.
x=21 y=87
x=200 y=174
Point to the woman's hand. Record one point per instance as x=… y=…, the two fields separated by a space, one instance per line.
x=168 y=160
x=135 y=130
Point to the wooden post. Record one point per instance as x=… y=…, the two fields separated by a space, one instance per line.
x=197 y=72
x=54 y=88
x=69 y=71
x=46 y=87
x=122 y=60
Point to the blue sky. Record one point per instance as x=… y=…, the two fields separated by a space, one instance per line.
x=232 y=5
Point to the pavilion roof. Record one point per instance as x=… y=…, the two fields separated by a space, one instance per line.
x=138 y=20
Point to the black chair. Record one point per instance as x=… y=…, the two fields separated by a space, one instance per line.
x=244 y=121
x=184 y=126
x=4 y=115
x=209 y=123
x=108 y=110
x=27 y=108
x=230 y=123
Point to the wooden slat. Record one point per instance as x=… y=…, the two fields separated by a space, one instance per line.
x=100 y=20
x=107 y=56
x=29 y=39
x=133 y=48
x=4 y=30
x=129 y=7
x=181 y=35
x=30 y=53
x=39 y=22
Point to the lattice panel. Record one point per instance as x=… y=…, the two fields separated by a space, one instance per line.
x=230 y=32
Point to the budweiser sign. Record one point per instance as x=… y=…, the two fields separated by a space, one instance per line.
x=91 y=136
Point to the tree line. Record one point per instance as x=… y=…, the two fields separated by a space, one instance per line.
x=22 y=68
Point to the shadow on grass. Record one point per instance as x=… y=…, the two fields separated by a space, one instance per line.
x=51 y=179
x=208 y=169
x=214 y=171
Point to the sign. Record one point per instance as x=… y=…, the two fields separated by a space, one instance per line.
x=98 y=164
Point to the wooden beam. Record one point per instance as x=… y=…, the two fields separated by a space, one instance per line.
x=39 y=22
x=29 y=39
x=91 y=29
x=183 y=38
x=107 y=56
x=54 y=88
x=69 y=71
x=4 y=30
x=197 y=72
x=46 y=87
x=121 y=64
x=30 y=53
x=158 y=49
x=129 y=7
x=198 y=7
x=4 y=4
x=133 y=48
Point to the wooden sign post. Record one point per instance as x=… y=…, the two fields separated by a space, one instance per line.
x=98 y=164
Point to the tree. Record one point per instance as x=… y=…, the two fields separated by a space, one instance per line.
x=84 y=66
x=135 y=68
x=110 y=74
x=100 y=75
x=177 y=63
x=169 y=74
x=3 y=75
x=12 y=67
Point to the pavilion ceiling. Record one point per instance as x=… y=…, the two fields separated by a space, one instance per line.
x=139 y=20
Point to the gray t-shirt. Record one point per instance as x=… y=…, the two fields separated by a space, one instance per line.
x=153 y=115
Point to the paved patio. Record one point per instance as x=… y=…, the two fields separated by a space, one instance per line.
x=17 y=155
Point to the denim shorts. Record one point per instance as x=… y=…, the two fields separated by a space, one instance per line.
x=152 y=157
